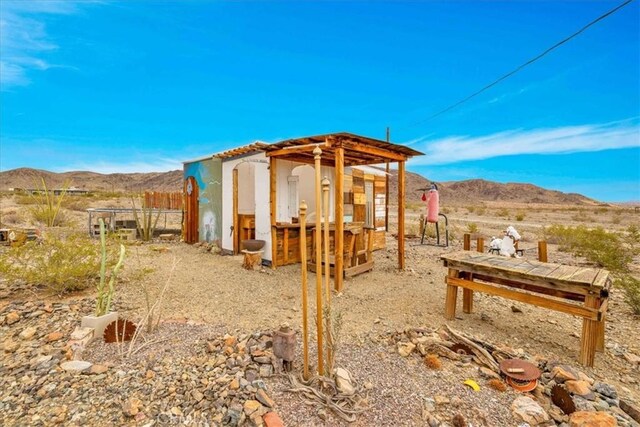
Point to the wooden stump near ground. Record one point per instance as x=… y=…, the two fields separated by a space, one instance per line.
x=252 y=259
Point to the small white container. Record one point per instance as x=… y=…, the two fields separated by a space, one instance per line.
x=99 y=323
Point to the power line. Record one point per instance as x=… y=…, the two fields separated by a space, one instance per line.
x=529 y=62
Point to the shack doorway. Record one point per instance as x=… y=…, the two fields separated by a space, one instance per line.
x=244 y=205
x=191 y=210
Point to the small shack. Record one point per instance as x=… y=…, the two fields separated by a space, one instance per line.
x=254 y=192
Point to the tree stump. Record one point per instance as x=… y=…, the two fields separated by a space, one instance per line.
x=252 y=259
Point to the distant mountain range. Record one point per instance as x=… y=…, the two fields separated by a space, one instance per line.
x=453 y=192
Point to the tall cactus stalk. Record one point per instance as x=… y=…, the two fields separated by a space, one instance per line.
x=105 y=293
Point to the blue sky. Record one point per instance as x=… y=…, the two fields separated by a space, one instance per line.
x=141 y=86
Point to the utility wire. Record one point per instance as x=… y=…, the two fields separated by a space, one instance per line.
x=529 y=62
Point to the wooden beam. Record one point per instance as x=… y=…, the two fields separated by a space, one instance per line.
x=303 y=268
x=306 y=148
x=236 y=224
x=273 y=204
x=452 y=296
x=317 y=152
x=401 y=202
x=564 y=307
x=339 y=218
x=590 y=332
x=374 y=151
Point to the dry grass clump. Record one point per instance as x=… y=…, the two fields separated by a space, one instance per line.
x=432 y=361
x=11 y=217
x=472 y=227
x=497 y=384
x=520 y=216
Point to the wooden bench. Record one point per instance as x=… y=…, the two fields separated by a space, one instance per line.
x=573 y=290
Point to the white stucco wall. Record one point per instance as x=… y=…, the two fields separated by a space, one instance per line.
x=258 y=175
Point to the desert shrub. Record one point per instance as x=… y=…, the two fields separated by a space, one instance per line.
x=445 y=211
x=481 y=210
x=520 y=216
x=472 y=227
x=76 y=203
x=471 y=209
x=597 y=245
x=11 y=217
x=582 y=216
x=631 y=287
x=24 y=200
x=504 y=212
x=58 y=264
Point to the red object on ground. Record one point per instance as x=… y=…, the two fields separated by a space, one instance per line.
x=433 y=206
x=272 y=419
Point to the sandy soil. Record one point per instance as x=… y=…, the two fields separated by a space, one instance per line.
x=207 y=287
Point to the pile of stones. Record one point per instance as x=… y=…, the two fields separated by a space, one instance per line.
x=220 y=381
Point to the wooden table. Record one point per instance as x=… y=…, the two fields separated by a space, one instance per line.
x=574 y=290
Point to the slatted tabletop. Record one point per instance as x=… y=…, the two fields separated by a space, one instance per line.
x=569 y=278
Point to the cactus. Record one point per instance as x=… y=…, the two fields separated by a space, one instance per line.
x=105 y=294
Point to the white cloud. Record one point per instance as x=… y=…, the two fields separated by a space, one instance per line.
x=160 y=165
x=24 y=39
x=561 y=140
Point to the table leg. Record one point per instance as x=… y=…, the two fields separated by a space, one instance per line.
x=467 y=297
x=452 y=296
x=600 y=336
x=589 y=334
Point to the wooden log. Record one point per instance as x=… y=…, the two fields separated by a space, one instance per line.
x=589 y=334
x=542 y=251
x=317 y=153
x=252 y=259
x=339 y=218
x=451 y=298
x=303 y=268
x=401 y=202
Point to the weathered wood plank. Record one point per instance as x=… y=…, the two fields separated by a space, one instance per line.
x=565 y=307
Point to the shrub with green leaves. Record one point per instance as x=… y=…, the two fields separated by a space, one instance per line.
x=472 y=227
x=597 y=245
x=58 y=264
x=631 y=287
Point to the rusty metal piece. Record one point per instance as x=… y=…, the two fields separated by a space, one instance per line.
x=462 y=349
x=562 y=399
x=119 y=330
x=520 y=370
x=284 y=343
x=522 y=386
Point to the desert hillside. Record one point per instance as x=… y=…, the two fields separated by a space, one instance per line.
x=453 y=192
x=29 y=178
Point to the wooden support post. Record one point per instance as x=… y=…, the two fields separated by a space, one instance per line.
x=452 y=296
x=600 y=335
x=273 y=203
x=236 y=224
x=542 y=251
x=303 y=268
x=285 y=246
x=401 y=201
x=466 y=245
x=588 y=341
x=327 y=272
x=327 y=267
x=467 y=294
x=339 y=219
x=370 y=234
x=386 y=198
x=317 y=152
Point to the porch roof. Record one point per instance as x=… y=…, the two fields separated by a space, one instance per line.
x=358 y=150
